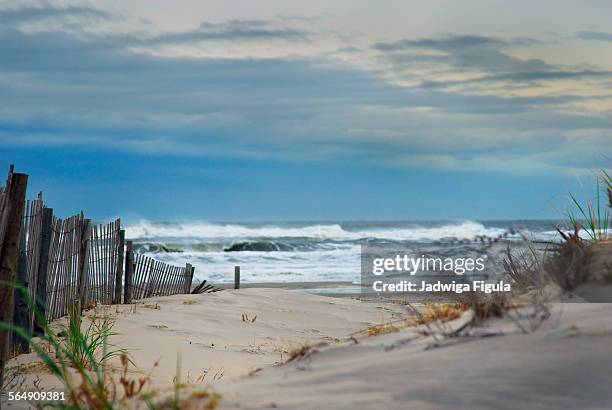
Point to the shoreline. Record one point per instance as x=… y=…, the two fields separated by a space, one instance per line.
x=332 y=288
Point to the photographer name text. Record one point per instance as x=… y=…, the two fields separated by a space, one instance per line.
x=424 y=286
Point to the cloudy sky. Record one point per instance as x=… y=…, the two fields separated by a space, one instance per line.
x=336 y=109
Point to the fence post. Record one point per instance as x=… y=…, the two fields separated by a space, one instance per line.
x=119 y=273
x=236 y=277
x=12 y=219
x=188 y=278
x=84 y=263
x=129 y=272
x=21 y=317
x=191 y=279
x=43 y=264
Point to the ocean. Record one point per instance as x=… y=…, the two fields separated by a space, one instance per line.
x=321 y=251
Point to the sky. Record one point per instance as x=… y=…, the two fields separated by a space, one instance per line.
x=319 y=110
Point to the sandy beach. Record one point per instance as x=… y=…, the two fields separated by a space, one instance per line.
x=565 y=362
x=208 y=338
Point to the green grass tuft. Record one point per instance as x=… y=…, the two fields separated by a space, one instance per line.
x=593 y=216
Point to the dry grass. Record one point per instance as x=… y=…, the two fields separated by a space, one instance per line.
x=190 y=302
x=197 y=400
x=442 y=312
x=525 y=268
x=301 y=352
x=245 y=318
x=121 y=385
x=487 y=306
x=154 y=306
x=577 y=263
x=205 y=376
x=332 y=340
x=160 y=327
x=432 y=312
x=382 y=329
x=568 y=265
x=252 y=373
x=13 y=378
x=34 y=367
x=298 y=352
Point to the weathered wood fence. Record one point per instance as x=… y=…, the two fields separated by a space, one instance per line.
x=61 y=262
x=155 y=278
x=28 y=265
x=86 y=263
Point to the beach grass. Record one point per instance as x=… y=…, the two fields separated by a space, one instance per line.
x=89 y=347
x=590 y=213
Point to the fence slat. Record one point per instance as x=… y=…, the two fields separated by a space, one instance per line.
x=119 y=272
x=41 y=277
x=34 y=234
x=129 y=272
x=84 y=262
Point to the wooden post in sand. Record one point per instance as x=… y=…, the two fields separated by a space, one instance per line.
x=236 y=277
x=119 y=272
x=188 y=278
x=129 y=272
x=191 y=278
x=83 y=281
x=12 y=220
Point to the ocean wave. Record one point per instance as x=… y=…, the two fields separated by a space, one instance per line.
x=340 y=264
x=259 y=246
x=316 y=252
x=317 y=266
x=467 y=230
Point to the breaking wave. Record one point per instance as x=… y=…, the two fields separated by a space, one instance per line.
x=334 y=232
x=309 y=252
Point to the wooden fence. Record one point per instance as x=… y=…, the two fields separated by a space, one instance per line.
x=155 y=278
x=28 y=265
x=66 y=271
x=106 y=250
x=86 y=263
x=59 y=262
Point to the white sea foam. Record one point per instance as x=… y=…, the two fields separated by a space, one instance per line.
x=202 y=230
x=314 y=252
x=311 y=266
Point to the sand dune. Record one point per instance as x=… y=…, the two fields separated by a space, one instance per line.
x=207 y=337
x=209 y=334
x=565 y=363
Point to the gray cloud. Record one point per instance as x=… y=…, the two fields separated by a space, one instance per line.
x=484 y=56
x=461 y=52
x=595 y=35
x=230 y=31
x=529 y=77
x=13 y=16
x=452 y=43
